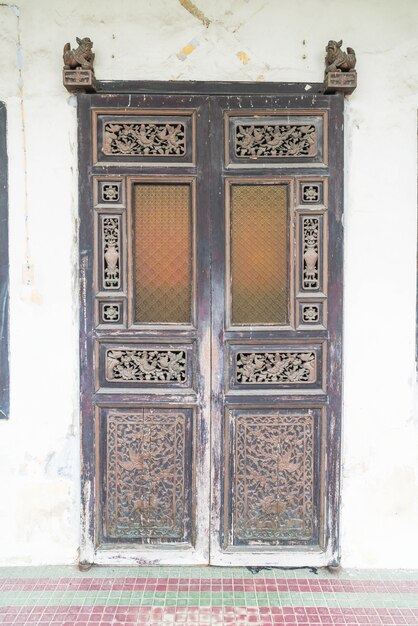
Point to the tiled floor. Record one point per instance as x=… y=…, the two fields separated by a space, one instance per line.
x=59 y=596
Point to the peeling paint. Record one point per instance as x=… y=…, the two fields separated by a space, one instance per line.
x=188 y=49
x=193 y=10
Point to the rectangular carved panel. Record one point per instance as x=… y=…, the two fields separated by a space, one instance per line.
x=276 y=367
x=280 y=367
x=312 y=252
x=146 y=487
x=273 y=478
x=276 y=138
x=140 y=365
x=144 y=137
x=310 y=269
x=110 y=261
x=259 y=254
x=152 y=366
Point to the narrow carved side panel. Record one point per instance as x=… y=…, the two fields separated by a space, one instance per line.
x=144 y=139
x=148 y=366
x=311 y=253
x=274 y=474
x=147 y=483
x=276 y=140
x=276 y=367
x=111 y=261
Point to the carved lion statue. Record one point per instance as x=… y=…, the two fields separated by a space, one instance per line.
x=337 y=60
x=83 y=56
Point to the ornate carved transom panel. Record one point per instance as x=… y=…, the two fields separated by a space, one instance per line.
x=276 y=137
x=147 y=486
x=150 y=366
x=276 y=367
x=144 y=139
x=276 y=140
x=273 y=478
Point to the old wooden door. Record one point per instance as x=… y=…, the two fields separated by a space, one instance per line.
x=211 y=300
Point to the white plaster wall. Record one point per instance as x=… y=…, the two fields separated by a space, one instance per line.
x=282 y=40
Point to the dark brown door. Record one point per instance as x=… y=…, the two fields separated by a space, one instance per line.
x=211 y=326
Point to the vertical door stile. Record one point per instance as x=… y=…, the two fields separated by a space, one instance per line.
x=201 y=494
x=218 y=322
x=86 y=262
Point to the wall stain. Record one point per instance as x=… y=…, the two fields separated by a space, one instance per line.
x=243 y=57
x=193 y=10
x=27 y=266
x=188 y=49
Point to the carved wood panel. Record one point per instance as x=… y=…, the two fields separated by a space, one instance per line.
x=272 y=477
x=312 y=252
x=146 y=137
x=146 y=484
x=152 y=366
x=276 y=367
x=141 y=365
x=278 y=138
x=279 y=367
x=110 y=252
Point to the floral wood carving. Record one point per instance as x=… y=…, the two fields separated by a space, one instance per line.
x=111 y=193
x=337 y=60
x=311 y=193
x=276 y=140
x=111 y=312
x=111 y=252
x=273 y=478
x=146 y=139
x=82 y=57
x=310 y=272
x=275 y=367
x=310 y=313
x=146 y=475
x=150 y=366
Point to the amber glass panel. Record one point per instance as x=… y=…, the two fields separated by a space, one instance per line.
x=163 y=253
x=259 y=254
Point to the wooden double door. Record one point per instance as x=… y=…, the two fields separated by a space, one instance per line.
x=211 y=299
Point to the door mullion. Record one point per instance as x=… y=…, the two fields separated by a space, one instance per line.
x=218 y=238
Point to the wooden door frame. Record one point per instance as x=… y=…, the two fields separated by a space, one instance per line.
x=330 y=555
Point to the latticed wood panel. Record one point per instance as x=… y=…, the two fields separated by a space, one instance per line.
x=259 y=254
x=163 y=253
